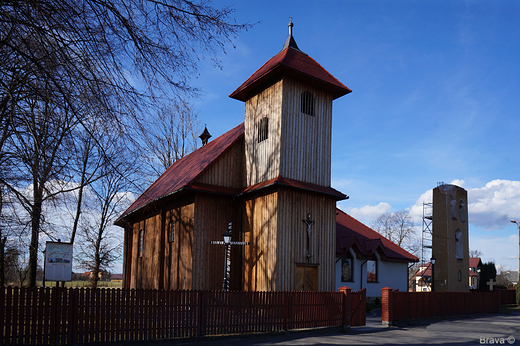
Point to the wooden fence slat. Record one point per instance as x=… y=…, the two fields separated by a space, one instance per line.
x=52 y=316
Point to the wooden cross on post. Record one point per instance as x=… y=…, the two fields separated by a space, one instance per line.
x=309 y=224
x=227 y=263
x=491 y=283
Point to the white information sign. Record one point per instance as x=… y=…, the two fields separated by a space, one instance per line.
x=58 y=261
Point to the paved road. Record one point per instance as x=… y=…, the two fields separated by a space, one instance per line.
x=473 y=330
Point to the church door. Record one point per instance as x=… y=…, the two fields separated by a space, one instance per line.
x=306 y=278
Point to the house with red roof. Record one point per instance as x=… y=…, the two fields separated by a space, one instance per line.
x=474 y=272
x=268 y=183
x=366 y=259
x=422 y=279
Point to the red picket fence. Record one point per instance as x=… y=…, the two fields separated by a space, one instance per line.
x=507 y=296
x=66 y=316
x=359 y=315
x=398 y=306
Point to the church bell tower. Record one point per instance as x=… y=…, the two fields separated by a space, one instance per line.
x=289 y=206
x=288 y=117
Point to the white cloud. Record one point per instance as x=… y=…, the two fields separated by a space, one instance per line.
x=368 y=213
x=492 y=206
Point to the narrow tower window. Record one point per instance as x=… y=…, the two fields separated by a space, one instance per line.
x=263 y=129
x=459 y=244
x=307 y=103
x=462 y=211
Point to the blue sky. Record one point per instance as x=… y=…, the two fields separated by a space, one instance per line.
x=435 y=98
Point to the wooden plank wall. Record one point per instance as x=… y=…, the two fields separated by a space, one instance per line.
x=260 y=257
x=228 y=170
x=293 y=207
x=274 y=226
x=211 y=218
x=262 y=159
x=306 y=140
x=178 y=255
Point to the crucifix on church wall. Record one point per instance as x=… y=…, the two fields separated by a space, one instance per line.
x=309 y=224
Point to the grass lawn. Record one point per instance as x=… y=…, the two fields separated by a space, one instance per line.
x=79 y=283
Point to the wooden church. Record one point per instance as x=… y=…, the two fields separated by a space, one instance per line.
x=269 y=177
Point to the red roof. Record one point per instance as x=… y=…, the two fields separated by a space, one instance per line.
x=474 y=262
x=350 y=232
x=182 y=173
x=426 y=271
x=281 y=181
x=292 y=62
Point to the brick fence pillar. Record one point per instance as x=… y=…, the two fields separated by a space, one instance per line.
x=387 y=306
x=347 y=307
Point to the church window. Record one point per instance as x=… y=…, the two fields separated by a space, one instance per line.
x=371 y=271
x=453 y=208
x=346 y=270
x=460 y=275
x=462 y=211
x=263 y=129
x=459 y=244
x=171 y=231
x=141 y=242
x=307 y=103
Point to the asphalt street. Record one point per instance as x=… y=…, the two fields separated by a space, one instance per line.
x=502 y=329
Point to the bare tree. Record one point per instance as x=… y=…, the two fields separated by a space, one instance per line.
x=399 y=228
x=58 y=59
x=173 y=136
x=107 y=198
x=475 y=253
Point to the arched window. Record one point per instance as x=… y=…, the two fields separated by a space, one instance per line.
x=347 y=269
x=263 y=129
x=459 y=244
x=462 y=211
x=307 y=103
x=453 y=208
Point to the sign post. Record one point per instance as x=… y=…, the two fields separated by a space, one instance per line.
x=58 y=261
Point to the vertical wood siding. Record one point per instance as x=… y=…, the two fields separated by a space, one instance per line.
x=274 y=226
x=305 y=147
x=263 y=159
x=211 y=218
x=228 y=170
x=179 y=253
x=260 y=262
x=292 y=237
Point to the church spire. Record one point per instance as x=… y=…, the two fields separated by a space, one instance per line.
x=290 y=42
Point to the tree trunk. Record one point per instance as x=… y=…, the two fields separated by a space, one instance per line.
x=2 y=260
x=35 y=233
